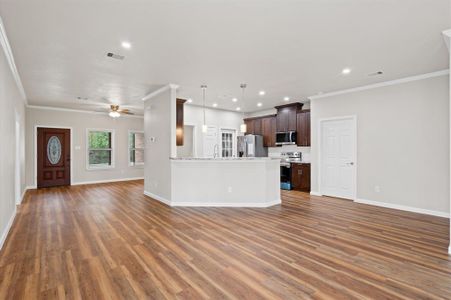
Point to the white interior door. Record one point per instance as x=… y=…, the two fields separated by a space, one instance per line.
x=338 y=158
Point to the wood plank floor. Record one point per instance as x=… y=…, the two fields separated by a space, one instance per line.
x=108 y=241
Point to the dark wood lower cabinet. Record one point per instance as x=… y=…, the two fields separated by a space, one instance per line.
x=300 y=177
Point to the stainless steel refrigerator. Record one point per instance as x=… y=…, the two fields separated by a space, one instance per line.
x=251 y=145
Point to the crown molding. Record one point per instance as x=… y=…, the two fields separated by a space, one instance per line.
x=160 y=90
x=10 y=58
x=78 y=111
x=382 y=84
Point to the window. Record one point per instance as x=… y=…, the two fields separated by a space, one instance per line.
x=136 y=148
x=100 y=149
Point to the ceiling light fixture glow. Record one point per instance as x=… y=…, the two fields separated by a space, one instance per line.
x=234 y=100
x=126 y=45
x=190 y=100
x=262 y=93
x=114 y=114
x=259 y=104
x=215 y=104
x=346 y=71
x=286 y=99
x=238 y=108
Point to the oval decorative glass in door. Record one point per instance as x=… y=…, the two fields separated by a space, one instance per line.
x=54 y=150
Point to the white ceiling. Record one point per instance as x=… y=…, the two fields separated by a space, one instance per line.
x=287 y=48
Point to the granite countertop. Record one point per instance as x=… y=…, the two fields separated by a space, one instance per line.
x=224 y=158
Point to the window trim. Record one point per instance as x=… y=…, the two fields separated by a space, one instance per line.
x=112 y=149
x=130 y=164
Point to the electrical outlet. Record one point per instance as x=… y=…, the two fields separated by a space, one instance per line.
x=377 y=189
x=229 y=189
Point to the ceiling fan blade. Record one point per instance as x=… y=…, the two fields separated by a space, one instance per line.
x=127 y=113
x=123 y=110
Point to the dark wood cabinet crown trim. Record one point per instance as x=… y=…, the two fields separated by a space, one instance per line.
x=296 y=105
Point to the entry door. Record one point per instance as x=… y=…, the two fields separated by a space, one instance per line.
x=53 y=157
x=338 y=165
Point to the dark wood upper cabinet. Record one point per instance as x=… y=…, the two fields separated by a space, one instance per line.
x=258 y=126
x=300 y=177
x=264 y=126
x=179 y=122
x=269 y=131
x=303 y=128
x=286 y=118
x=249 y=126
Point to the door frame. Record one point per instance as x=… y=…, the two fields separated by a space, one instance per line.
x=320 y=136
x=17 y=167
x=35 y=149
x=234 y=140
x=194 y=137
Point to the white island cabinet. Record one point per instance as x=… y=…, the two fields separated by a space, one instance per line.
x=231 y=182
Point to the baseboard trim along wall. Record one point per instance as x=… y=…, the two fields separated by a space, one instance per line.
x=107 y=180
x=158 y=198
x=207 y=204
x=405 y=208
x=315 y=193
x=8 y=228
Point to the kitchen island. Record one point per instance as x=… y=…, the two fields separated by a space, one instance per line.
x=225 y=182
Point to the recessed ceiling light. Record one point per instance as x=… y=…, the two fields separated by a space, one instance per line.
x=346 y=71
x=234 y=99
x=238 y=108
x=126 y=45
x=262 y=93
x=286 y=99
x=190 y=100
x=215 y=104
x=259 y=104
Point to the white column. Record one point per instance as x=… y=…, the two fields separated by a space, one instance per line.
x=447 y=37
x=160 y=141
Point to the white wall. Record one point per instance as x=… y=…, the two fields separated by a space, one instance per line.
x=79 y=122
x=159 y=132
x=193 y=115
x=402 y=142
x=12 y=106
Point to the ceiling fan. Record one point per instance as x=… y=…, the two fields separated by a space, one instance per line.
x=115 y=112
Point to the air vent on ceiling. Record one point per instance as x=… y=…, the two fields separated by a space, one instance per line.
x=115 y=56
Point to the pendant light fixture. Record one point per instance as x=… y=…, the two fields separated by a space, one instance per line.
x=204 y=89
x=243 y=126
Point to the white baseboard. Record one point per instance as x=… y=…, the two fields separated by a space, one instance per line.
x=8 y=228
x=31 y=187
x=210 y=204
x=158 y=198
x=106 y=181
x=315 y=193
x=227 y=204
x=405 y=208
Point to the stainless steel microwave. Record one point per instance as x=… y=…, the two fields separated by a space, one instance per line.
x=286 y=138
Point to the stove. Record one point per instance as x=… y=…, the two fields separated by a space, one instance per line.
x=286 y=159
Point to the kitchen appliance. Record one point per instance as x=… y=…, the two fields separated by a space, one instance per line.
x=286 y=158
x=286 y=138
x=251 y=145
